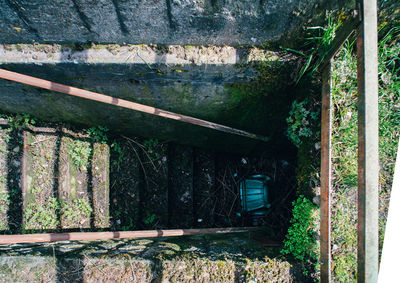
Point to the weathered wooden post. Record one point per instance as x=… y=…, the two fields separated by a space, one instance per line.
x=368 y=162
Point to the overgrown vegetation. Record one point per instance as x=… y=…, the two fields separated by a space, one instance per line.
x=317 y=47
x=344 y=145
x=300 y=121
x=40 y=213
x=19 y=121
x=98 y=134
x=300 y=239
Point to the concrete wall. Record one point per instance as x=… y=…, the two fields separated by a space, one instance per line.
x=226 y=85
x=218 y=22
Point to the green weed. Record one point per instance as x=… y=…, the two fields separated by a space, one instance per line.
x=98 y=134
x=300 y=120
x=41 y=216
x=319 y=40
x=150 y=219
x=79 y=151
x=120 y=154
x=300 y=239
x=75 y=210
x=154 y=149
x=19 y=121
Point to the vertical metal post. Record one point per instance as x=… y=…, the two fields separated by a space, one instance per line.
x=368 y=163
x=325 y=208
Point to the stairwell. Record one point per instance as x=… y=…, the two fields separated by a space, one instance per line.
x=57 y=178
x=69 y=179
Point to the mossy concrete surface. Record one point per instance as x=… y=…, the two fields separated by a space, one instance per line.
x=244 y=88
x=204 y=258
x=52 y=178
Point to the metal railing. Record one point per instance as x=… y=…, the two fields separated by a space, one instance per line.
x=365 y=24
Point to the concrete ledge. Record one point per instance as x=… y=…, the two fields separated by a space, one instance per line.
x=230 y=258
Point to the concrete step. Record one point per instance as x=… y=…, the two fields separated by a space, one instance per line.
x=65 y=180
x=180 y=194
x=204 y=187
x=154 y=193
x=40 y=186
x=125 y=183
x=73 y=180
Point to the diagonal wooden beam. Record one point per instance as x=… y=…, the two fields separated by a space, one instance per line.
x=29 y=80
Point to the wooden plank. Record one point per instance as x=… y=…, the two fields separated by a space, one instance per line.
x=326 y=176
x=368 y=159
x=74 y=192
x=40 y=186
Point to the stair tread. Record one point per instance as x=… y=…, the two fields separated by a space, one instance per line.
x=154 y=193
x=125 y=182
x=180 y=191
x=204 y=187
x=39 y=187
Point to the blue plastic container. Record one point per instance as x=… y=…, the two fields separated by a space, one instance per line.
x=254 y=195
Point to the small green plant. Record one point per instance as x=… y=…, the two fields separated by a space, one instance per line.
x=150 y=144
x=98 y=134
x=41 y=216
x=300 y=121
x=79 y=151
x=4 y=201
x=151 y=217
x=300 y=239
x=119 y=152
x=320 y=39
x=75 y=210
x=20 y=121
x=128 y=227
x=154 y=149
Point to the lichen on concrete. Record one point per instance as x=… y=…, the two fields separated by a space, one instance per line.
x=182 y=259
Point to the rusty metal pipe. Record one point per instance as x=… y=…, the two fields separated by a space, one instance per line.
x=84 y=236
x=33 y=81
x=326 y=175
